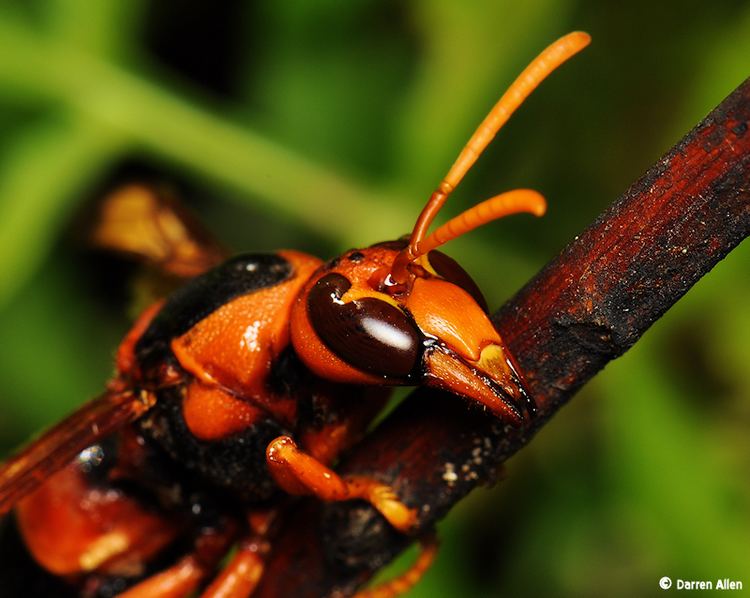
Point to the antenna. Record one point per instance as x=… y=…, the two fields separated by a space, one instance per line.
x=514 y=201
x=505 y=204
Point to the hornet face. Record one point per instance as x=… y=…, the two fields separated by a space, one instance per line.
x=352 y=324
x=402 y=313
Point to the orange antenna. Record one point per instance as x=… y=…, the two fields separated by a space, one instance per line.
x=505 y=204
x=541 y=67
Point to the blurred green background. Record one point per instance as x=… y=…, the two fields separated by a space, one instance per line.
x=322 y=125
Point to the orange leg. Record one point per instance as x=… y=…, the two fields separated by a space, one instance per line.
x=185 y=576
x=180 y=580
x=408 y=580
x=240 y=577
x=296 y=472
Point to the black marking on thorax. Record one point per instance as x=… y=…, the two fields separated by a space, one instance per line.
x=203 y=295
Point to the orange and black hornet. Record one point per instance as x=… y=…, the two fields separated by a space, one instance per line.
x=247 y=383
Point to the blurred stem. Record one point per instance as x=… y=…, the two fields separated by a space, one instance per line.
x=138 y=113
x=50 y=164
x=103 y=28
x=165 y=124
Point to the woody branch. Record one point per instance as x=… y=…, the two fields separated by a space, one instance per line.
x=585 y=308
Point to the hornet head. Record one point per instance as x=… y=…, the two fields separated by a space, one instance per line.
x=401 y=312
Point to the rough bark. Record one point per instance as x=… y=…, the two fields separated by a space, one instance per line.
x=585 y=308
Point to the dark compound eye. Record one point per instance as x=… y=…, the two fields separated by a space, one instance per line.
x=449 y=269
x=369 y=334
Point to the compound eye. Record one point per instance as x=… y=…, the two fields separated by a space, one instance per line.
x=369 y=334
x=449 y=269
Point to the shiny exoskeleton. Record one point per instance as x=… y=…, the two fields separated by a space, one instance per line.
x=246 y=384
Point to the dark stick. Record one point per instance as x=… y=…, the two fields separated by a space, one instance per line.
x=586 y=307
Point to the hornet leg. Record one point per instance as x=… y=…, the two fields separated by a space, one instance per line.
x=296 y=472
